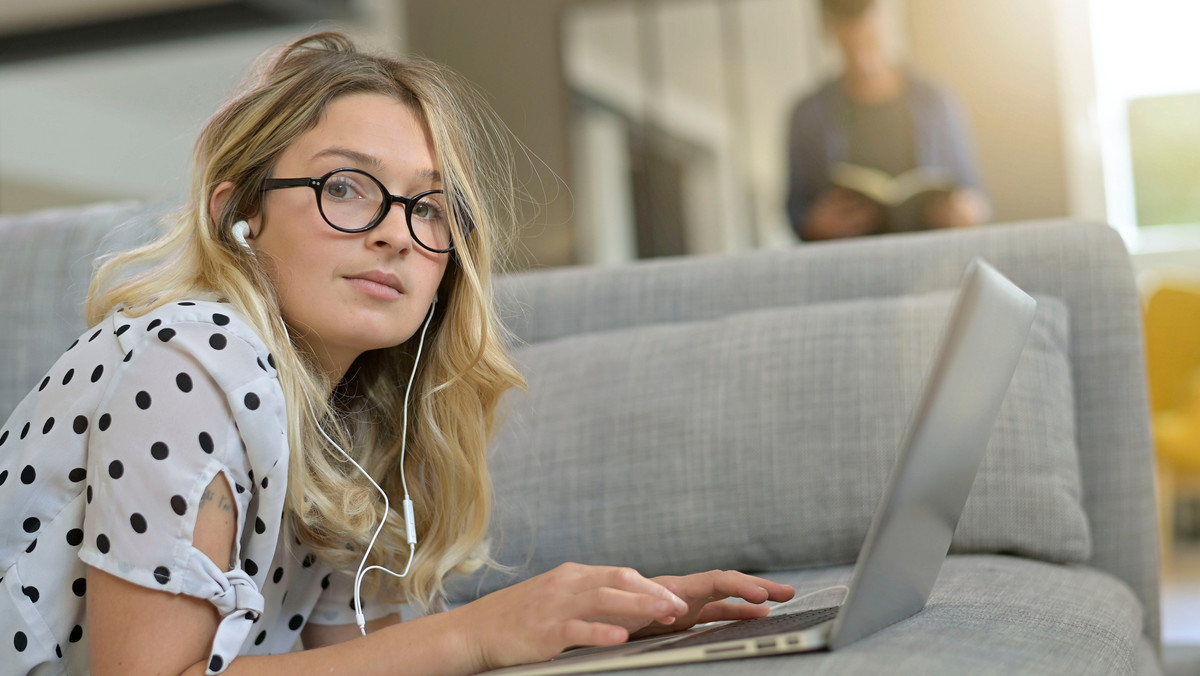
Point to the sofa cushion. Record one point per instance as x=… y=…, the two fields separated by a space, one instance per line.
x=763 y=441
x=986 y=615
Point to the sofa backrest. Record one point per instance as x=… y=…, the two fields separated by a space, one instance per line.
x=1083 y=266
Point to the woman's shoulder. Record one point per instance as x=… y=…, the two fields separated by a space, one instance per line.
x=213 y=333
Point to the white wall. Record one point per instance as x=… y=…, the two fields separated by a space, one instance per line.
x=120 y=124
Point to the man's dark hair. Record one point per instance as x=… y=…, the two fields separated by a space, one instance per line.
x=845 y=9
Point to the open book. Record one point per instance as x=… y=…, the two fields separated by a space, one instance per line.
x=903 y=198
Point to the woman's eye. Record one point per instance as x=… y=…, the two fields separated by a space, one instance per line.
x=342 y=189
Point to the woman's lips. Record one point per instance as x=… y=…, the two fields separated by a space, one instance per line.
x=375 y=289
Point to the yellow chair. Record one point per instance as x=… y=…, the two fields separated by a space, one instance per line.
x=1172 y=328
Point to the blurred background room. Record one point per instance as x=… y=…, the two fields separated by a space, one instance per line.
x=660 y=128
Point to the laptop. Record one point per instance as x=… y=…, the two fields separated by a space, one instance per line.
x=910 y=533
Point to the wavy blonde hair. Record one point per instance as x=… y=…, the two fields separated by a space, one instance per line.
x=464 y=368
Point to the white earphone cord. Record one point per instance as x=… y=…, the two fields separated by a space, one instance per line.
x=409 y=521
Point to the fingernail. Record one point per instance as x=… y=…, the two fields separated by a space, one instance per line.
x=679 y=603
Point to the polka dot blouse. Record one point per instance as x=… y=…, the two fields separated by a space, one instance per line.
x=104 y=464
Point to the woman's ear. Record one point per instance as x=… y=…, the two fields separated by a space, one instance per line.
x=220 y=199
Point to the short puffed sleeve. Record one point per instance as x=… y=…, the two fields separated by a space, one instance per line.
x=182 y=410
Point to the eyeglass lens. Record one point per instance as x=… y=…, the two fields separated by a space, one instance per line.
x=353 y=201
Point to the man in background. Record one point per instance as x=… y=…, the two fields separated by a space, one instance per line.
x=877 y=115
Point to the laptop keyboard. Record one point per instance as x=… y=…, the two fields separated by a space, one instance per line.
x=760 y=626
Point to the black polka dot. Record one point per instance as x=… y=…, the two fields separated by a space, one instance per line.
x=264 y=482
x=239 y=488
x=49 y=425
x=166 y=335
x=3 y=437
x=79 y=586
x=76 y=634
x=220 y=319
x=184 y=382
x=121 y=329
x=128 y=356
x=75 y=537
x=58 y=651
x=89 y=495
x=73 y=345
x=28 y=475
x=154 y=325
x=262 y=636
x=325 y=582
x=67 y=377
x=97 y=372
x=80 y=424
x=296 y=622
x=259 y=526
x=138 y=522
x=278 y=575
x=20 y=641
x=261 y=365
x=32 y=546
x=32 y=593
x=217 y=341
x=186 y=303
x=250 y=567
x=25 y=431
x=102 y=543
x=179 y=504
x=206 y=442
x=271 y=360
x=162 y=575
x=351 y=604
x=115 y=469
x=95 y=335
x=3 y=477
x=78 y=474
x=309 y=560
x=215 y=663
x=105 y=421
x=159 y=451
x=143 y=400
x=45 y=382
x=252 y=401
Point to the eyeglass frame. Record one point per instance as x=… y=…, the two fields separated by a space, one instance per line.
x=317 y=184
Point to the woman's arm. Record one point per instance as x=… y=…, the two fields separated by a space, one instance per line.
x=135 y=629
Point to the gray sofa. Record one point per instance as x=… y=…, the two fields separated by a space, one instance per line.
x=743 y=412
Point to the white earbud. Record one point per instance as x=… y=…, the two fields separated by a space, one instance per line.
x=240 y=231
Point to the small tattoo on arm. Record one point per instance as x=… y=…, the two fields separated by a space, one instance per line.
x=223 y=503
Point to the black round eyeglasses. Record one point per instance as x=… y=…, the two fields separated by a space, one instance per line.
x=351 y=200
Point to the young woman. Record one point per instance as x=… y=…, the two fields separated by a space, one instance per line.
x=192 y=487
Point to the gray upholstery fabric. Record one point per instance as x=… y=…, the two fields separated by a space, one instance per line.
x=1085 y=265
x=986 y=615
x=45 y=267
x=763 y=440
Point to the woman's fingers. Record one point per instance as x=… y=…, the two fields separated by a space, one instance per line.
x=611 y=602
x=583 y=633
x=728 y=610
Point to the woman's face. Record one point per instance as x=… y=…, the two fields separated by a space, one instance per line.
x=345 y=294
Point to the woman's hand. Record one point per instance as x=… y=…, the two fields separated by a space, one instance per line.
x=705 y=594
x=572 y=605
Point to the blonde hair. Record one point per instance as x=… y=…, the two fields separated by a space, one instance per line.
x=464 y=369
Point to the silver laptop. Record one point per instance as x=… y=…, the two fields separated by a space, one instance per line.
x=913 y=525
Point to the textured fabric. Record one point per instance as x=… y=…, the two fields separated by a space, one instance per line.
x=105 y=464
x=686 y=446
x=1084 y=265
x=986 y=615
x=46 y=262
